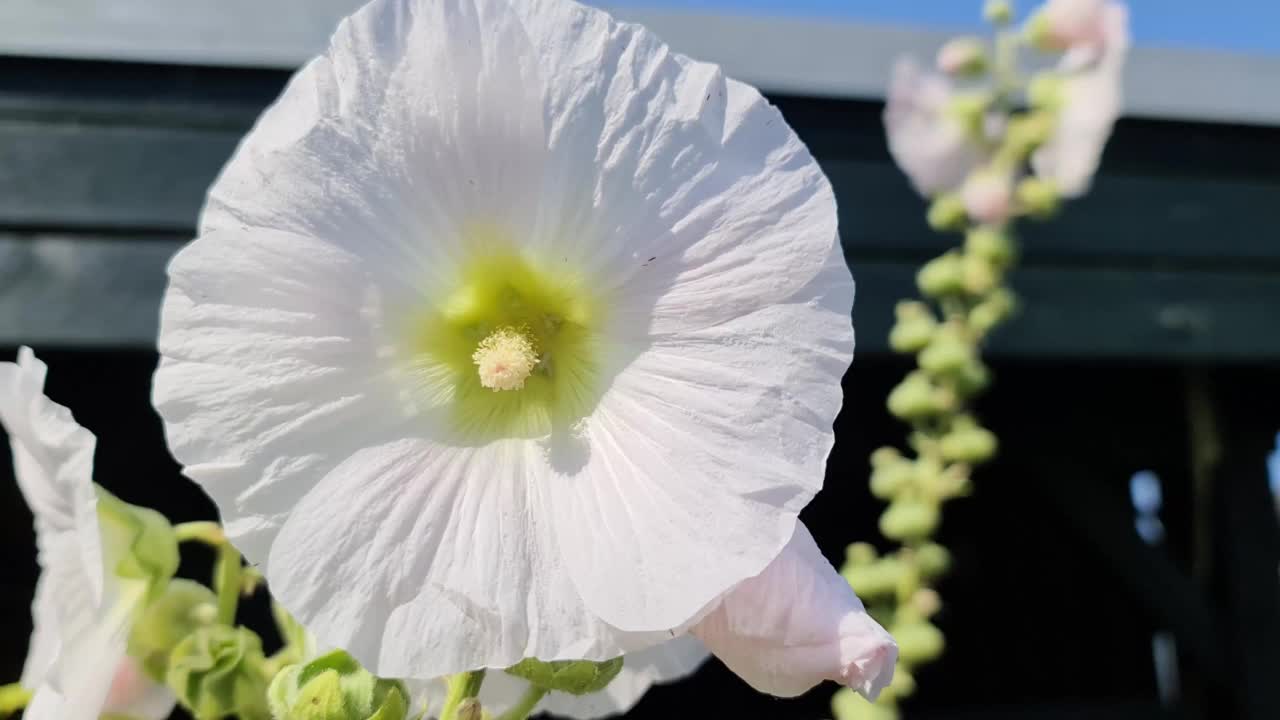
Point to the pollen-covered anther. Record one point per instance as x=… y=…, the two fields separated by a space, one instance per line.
x=505 y=359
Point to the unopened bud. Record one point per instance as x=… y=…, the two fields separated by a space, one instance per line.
x=941 y=276
x=933 y=560
x=968 y=444
x=909 y=520
x=918 y=642
x=875 y=579
x=889 y=479
x=885 y=456
x=217 y=671
x=335 y=687
x=974 y=377
x=971 y=111
x=998 y=12
x=980 y=274
x=1025 y=133
x=926 y=602
x=915 y=397
x=1038 y=197
x=963 y=56
x=991 y=244
x=947 y=213
x=947 y=353
x=913 y=329
x=860 y=553
x=993 y=310
x=988 y=196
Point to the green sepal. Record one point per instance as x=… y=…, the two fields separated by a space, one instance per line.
x=182 y=608
x=335 y=687
x=139 y=543
x=217 y=672
x=576 y=677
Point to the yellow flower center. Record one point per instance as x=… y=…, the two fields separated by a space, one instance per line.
x=511 y=350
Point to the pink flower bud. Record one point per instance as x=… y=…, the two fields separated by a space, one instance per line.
x=988 y=196
x=796 y=624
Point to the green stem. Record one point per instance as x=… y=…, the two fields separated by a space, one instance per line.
x=13 y=697
x=527 y=703
x=209 y=533
x=461 y=686
x=226 y=582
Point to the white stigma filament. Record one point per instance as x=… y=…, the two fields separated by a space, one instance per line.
x=505 y=359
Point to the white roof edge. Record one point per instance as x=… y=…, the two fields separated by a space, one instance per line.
x=786 y=55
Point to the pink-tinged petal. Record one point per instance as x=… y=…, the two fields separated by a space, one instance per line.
x=926 y=141
x=796 y=624
x=1092 y=94
x=133 y=694
x=1071 y=24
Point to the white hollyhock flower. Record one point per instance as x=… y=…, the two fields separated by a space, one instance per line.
x=509 y=333
x=927 y=139
x=83 y=610
x=1091 y=98
x=796 y=624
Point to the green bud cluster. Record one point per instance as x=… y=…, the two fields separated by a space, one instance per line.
x=335 y=687
x=965 y=299
x=217 y=672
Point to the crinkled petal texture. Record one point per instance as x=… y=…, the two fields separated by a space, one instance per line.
x=668 y=662
x=683 y=202
x=796 y=624
x=926 y=141
x=81 y=615
x=1092 y=97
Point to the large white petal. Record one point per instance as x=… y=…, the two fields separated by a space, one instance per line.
x=269 y=373
x=420 y=121
x=422 y=560
x=46 y=641
x=713 y=439
x=93 y=647
x=53 y=463
x=796 y=624
x=685 y=193
x=1092 y=101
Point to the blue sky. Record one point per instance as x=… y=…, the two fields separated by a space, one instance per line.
x=1240 y=25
